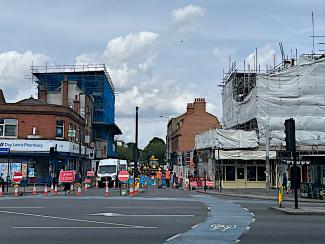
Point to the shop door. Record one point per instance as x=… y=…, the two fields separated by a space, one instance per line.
x=241 y=177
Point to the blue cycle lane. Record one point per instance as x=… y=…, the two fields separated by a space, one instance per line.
x=227 y=221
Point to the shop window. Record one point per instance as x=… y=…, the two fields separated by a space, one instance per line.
x=230 y=173
x=261 y=173
x=59 y=132
x=8 y=127
x=240 y=173
x=251 y=173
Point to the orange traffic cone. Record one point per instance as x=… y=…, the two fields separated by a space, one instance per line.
x=106 y=190
x=96 y=184
x=56 y=190
x=79 y=191
x=131 y=193
x=174 y=185
x=34 y=190
x=52 y=187
x=145 y=184
x=86 y=187
x=45 y=191
x=1 y=192
x=16 y=192
x=71 y=188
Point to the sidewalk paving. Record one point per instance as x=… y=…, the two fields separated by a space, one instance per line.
x=259 y=194
x=300 y=211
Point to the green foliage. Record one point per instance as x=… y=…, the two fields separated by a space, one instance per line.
x=155 y=147
x=126 y=152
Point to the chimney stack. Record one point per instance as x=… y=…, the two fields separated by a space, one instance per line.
x=42 y=93
x=190 y=107
x=65 y=91
x=76 y=104
x=200 y=105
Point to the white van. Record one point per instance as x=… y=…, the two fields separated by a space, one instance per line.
x=107 y=171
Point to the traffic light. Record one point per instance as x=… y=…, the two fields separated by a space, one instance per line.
x=290 y=135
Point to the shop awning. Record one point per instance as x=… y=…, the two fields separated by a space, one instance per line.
x=244 y=154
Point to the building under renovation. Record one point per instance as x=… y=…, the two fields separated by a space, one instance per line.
x=261 y=102
x=87 y=81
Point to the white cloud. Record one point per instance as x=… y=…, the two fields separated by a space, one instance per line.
x=14 y=66
x=223 y=54
x=187 y=13
x=265 y=57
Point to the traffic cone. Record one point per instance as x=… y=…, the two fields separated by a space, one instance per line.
x=145 y=184
x=96 y=184
x=86 y=187
x=174 y=185
x=131 y=193
x=1 y=192
x=34 y=190
x=56 y=190
x=71 y=188
x=106 y=190
x=79 y=191
x=16 y=192
x=45 y=191
x=52 y=187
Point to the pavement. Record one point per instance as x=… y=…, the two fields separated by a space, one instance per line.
x=258 y=194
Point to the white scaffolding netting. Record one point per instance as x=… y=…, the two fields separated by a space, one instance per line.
x=226 y=139
x=296 y=92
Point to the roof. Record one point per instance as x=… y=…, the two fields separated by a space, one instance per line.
x=2 y=98
x=31 y=101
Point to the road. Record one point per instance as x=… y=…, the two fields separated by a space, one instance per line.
x=273 y=227
x=152 y=217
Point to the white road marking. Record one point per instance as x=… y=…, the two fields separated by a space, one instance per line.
x=143 y=207
x=70 y=219
x=253 y=220
x=248 y=228
x=237 y=241
x=246 y=209
x=173 y=237
x=141 y=215
x=194 y=226
x=82 y=227
x=21 y=207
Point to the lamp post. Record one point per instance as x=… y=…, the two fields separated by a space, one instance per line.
x=167 y=137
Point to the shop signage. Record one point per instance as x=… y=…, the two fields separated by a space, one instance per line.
x=67 y=176
x=4 y=150
x=71 y=133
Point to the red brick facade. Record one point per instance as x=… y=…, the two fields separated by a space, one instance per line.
x=182 y=129
x=43 y=117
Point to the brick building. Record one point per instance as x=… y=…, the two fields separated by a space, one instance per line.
x=29 y=128
x=181 y=131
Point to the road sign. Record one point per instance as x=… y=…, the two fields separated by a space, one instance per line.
x=123 y=175
x=67 y=176
x=71 y=133
x=90 y=173
x=18 y=176
x=4 y=150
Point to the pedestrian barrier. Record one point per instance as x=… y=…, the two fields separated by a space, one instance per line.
x=45 y=190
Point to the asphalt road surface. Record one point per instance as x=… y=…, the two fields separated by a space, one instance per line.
x=152 y=217
x=269 y=226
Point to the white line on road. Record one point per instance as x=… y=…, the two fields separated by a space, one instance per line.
x=194 y=226
x=173 y=237
x=141 y=215
x=246 y=209
x=82 y=227
x=143 y=207
x=21 y=207
x=69 y=219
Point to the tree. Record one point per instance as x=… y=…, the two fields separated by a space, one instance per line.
x=155 y=147
x=126 y=152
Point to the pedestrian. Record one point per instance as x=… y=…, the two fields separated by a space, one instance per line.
x=174 y=179
x=285 y=182
x=167 y=176
x=159 y=178
x=289 y=185
x=2 y=183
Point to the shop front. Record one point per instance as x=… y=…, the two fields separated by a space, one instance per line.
x=32 y=158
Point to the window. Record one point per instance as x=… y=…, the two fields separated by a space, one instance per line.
x=251 y=173
x=8 y=127
x=230 y=173
x=59 y=132
x=261 y=173
x=240 y=173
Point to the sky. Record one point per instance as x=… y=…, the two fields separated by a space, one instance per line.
x=161 y=55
